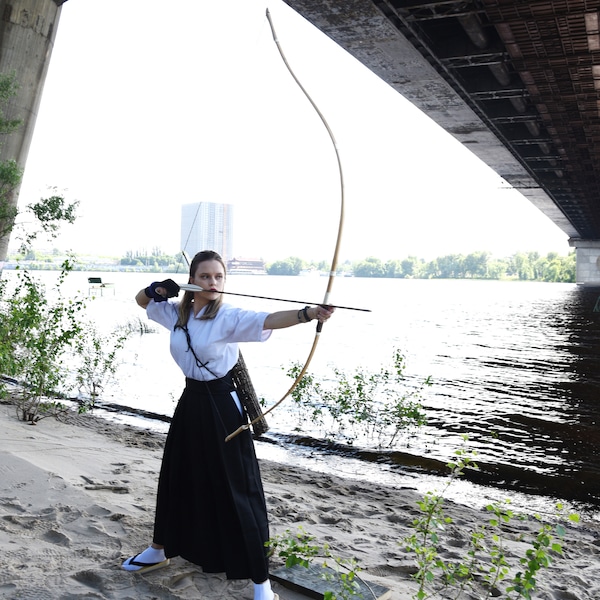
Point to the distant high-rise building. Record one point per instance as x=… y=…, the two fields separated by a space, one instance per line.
x=207 y=226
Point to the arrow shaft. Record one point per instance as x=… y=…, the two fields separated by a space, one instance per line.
x=195 y=288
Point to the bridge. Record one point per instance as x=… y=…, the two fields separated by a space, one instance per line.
x=515 y=81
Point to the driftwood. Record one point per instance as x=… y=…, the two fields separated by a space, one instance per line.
x=248 y=397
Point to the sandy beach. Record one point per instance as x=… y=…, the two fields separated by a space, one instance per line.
x=77 y=497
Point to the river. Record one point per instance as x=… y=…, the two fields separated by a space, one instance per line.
x=514 y=366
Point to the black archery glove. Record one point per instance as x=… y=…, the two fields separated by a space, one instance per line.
x=168 y=284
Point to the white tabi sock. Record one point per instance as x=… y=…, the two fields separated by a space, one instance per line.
x=149 y=556
x=263 y=591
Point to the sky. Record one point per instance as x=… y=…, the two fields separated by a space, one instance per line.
x=150 y=105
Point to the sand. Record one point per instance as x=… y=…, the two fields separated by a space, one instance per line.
x=77 y=497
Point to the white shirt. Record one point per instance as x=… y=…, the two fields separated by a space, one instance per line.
x=215 y=341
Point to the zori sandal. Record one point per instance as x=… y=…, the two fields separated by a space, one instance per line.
x=144 y=567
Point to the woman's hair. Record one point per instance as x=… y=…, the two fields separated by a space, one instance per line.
x=186 y=303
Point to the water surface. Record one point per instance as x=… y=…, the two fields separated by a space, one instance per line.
x=514 y=366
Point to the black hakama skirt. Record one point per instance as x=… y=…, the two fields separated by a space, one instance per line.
x=211 y=506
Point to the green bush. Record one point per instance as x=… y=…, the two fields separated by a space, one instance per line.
x=299 y=549
x=486 y=564
x=48 y=347
x=36 y=330
x=95 y=356
x=373 y=407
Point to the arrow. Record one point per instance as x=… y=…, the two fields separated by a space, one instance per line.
x=190 y=287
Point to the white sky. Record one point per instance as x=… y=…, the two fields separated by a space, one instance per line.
x=149 y=105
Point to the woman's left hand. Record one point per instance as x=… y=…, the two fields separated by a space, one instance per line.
x=323 y=313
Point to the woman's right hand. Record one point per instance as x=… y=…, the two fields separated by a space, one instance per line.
x=159 y=291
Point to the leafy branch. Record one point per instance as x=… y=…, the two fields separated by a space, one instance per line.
x=341 y=574
x=373 y=406
x=485 y=565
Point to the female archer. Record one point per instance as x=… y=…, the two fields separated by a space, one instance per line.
x=210 y=506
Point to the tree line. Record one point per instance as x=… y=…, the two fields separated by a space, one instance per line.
x=523 y=266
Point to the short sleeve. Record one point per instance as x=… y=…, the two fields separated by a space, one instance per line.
x=164 y=313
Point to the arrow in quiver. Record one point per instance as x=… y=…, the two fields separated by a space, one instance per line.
x=247 y=396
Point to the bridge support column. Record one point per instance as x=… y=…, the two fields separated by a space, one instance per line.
x=587 y=255
x=27 y=33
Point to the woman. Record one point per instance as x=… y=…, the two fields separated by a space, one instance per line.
x=210 y=505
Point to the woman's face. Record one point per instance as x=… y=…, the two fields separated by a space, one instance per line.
x=210 y=276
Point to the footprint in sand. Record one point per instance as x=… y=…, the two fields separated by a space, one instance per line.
x=57 y=538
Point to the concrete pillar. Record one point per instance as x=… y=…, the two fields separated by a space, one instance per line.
x=587 y=255
x=27 y=32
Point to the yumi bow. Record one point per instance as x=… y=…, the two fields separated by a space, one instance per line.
x=334 y=260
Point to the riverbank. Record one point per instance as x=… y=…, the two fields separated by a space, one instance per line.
x=77 y=497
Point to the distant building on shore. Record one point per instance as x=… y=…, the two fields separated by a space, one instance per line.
x=246 y=266
x=207 y=226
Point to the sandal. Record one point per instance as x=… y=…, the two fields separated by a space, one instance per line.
x=144 y=567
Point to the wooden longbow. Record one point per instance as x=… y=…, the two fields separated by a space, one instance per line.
x=334 y=260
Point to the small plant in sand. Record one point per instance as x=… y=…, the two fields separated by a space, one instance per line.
x=96 y=357
x=374 y=407
x=341 y=574
x=486 y=564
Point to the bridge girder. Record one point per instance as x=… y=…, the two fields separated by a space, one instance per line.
x=516 y=82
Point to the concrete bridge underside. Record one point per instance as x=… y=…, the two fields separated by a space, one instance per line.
x=517 y=82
